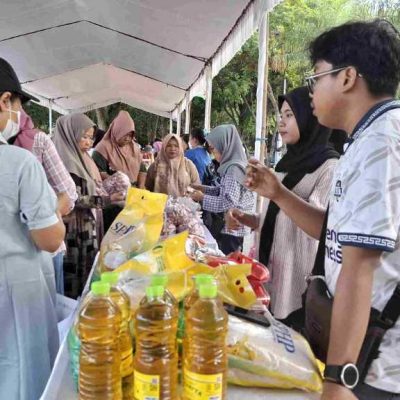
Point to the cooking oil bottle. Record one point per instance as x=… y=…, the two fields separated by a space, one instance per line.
x=125 y=338
x=100 y=360
x=162 y=280
x=193 y=296
x=156 y=358
x=204 y=347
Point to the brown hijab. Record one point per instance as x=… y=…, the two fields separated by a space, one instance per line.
x=126 y=159
x=69 y=131
x=172 y=177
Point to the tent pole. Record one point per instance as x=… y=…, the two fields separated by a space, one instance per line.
x=50 y=118
x=207 y=116
x=262 y=96
x=262 y=88
x=178 y=124
x=187 y=114
x=171 y=124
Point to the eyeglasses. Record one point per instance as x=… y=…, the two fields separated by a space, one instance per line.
x=312 y=79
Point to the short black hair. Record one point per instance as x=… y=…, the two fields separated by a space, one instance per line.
x=198 y=133
x=372 y=47
x=185 y=138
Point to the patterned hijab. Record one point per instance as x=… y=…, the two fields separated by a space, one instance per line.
x=172 y=177
x=69 y=131
x=126 y=159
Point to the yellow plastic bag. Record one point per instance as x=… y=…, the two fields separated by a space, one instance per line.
x=169 y=257
x=233 y=285
x=273 y=357
x=136 y=229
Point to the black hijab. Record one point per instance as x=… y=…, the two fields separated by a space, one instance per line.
x=304 y=157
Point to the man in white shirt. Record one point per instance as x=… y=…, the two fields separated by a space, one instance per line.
x=357 y=72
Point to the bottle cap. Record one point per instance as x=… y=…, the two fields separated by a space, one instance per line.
x=154 y=291
x=208 y=291
x=100 y=288
x=110 y=277
x=203 y=279
x=159 y=280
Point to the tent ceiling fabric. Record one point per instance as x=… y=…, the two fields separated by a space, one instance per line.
x=85 y=54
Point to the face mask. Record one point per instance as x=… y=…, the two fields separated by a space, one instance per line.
x=12 y=128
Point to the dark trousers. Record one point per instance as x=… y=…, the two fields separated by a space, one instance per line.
x=366 y=392
x=229 y=243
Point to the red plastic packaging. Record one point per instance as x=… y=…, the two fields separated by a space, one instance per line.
x=259 y=272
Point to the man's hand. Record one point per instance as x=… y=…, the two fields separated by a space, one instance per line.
x=334 y=391
x=262 y=180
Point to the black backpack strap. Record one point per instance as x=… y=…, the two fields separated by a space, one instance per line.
x=319 y=265
x=391 y=312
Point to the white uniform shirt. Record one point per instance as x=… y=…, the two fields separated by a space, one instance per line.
x=364 y=211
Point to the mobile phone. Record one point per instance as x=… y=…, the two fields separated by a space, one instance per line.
x=247 y=315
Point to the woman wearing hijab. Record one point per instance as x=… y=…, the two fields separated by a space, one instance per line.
x=171 y=173
x=42 y=147
x=73 y=138
x=228 y=150
x=117 y=151
x=306 y=169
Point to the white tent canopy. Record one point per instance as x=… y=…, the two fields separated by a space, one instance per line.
x=79 y=55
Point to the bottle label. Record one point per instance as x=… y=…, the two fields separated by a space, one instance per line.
x=146 y=387
x=202 y=387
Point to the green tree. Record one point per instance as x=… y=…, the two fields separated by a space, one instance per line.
x=234 y=91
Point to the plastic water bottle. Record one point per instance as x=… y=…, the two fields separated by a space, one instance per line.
x=100 y=360
x=125 y=339
x=156 y=358
x=204 y=347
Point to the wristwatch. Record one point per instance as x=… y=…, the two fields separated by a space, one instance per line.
x=346 y=375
